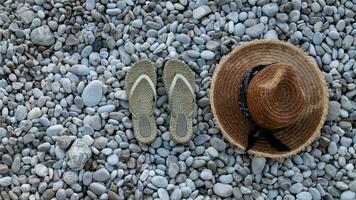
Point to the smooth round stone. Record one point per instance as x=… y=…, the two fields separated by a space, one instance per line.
x=334 y=35
x=5 y=181
x=206 y=174
x=348 y=195
x=258 y=164
x=255 y=31
x=20 y=113
x=163 y=194
x=271 y=34
x=222 y=190
x=296 y=188
x=113 y=160
x=54 y=130
x=101 y=175
x=317 y=38
x=159 y=181
x=34 y=113
x=97 y=188
x=70 y=177
x=304 y=196
x=315 y=194
x=207 y=55
x=92 y=93
x=270 y=9
x=176 y=194
x=239 y=29
x=183 y=38
x=80 y=70
x=42 y=36
x=40 y=170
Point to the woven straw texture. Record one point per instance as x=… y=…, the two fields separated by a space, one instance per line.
x=225 y=88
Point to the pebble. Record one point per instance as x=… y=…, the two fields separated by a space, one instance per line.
x=296 y=188
x=348 y=195
x=317 y=38
x=78 y=154
x=40 y=170
x=222 y=190
x=176 y=194
x=21 y=113
x=255 y=31
x=163 y=194
x=97 y=188
x=5 y=181
x=70 y=177
x=92 y=93
x=304 y=196
x=201 y=12
x=206 y=174
x=101 y=175
x=80 y=70
x=54 y=130
x=89 y=4
x=258 y=164
x=207 y=55
x=334 y=110
x=270 y=9
x=34 y=113
x=159 y=181
x=42 y=36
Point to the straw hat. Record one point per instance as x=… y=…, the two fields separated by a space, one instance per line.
x=269 y=98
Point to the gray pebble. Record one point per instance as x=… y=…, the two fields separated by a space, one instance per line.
x=92 y=93
x=222 y=190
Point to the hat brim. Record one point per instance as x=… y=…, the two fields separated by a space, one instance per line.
x=225 y=89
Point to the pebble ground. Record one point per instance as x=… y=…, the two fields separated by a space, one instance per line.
x=66 y=131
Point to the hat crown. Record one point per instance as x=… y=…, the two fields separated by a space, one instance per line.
x=275 y=97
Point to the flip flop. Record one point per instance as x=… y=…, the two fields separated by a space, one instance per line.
x=179 y=82
x=140 y=84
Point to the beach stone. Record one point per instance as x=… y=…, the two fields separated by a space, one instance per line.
x=101 y=175
x=207 y=55
x=89 y=4
x=159 y=181
x=97 y=188
x=34 y=113
x=163 y=194
x=21 y=113
x=239 y=29
x=176 y=194
x=206 y=174
x=222 y=190
x=80 y=70
x=258 y=164
x=40 y=170
x=42 y=36
x=304 y=196
x=183 y=38
x=78 y=154
x=348 y=195
x=334 y=110
x=315 y=194
x=201 y=12
x=54 y=130
x=5 y=181
x=70 y=177
x=92 y=93
x=270 y=9
x=296 y=188
x=255 y=31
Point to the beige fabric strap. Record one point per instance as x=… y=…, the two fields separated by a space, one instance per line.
x=150 y=83
x=174 y=82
